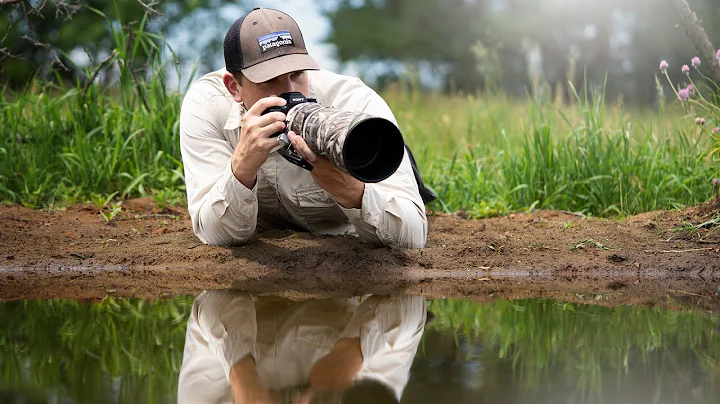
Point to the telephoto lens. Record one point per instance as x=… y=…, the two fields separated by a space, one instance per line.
x=367 y=147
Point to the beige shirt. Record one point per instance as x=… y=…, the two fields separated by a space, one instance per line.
x=224 y=212
x=287 y=338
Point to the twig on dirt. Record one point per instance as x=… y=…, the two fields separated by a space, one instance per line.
x=680 y=251
x=567 y=212
x=157 y=216
x=687 y=293
x=77 y=256
x=196 y=245
x=104 y=242
x=591 y=243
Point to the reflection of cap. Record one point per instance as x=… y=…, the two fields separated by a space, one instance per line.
x=264 y=44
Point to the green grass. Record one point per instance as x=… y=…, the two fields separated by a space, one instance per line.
x=486 y=154
x=491 y=155
x=60 y=143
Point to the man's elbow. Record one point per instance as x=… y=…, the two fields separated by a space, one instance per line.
x=220 y=237
x=412 y=235
x=417 y=238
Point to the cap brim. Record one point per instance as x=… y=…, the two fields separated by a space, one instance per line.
x=278 y=66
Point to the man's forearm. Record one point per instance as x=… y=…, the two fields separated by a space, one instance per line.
x=392 y=221
x=246 y=176
x=352 y=199
x=245 y=382
x=338 y=368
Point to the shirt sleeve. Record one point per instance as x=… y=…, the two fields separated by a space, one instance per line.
x=390 y=330
x=392 y=211
x=222 y=210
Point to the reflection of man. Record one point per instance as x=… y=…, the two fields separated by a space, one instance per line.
x=256 y=349
x=237 y=184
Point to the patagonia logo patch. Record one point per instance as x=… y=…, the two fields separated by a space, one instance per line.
x=275 y=40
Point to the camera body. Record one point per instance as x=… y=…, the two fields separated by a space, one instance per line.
x=287 y=150
x=293 y=98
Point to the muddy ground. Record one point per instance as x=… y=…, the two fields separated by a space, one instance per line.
x=653 y=258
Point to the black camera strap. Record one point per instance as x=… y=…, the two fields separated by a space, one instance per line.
x=426 y=193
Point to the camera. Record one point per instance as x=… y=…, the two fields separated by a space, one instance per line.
x=367 y=147
x=286 y=149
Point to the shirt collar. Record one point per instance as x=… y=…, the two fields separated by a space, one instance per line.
x=234 y=121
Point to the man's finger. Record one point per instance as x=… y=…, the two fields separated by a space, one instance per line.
x=268 y=119
x=302 y=148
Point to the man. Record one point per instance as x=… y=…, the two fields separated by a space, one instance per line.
x=237 y=185
x=262 y=349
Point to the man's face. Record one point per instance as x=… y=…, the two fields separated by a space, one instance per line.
x=251 y=92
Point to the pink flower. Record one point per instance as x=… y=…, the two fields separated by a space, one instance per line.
x=664 y=65
x=717 y=55
x=716 y=130
x=696 y=62
x=716 y=182
x=685 y=69
x=683 y=94
x=700 y=121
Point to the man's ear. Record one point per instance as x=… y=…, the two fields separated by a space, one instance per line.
x=233 y=86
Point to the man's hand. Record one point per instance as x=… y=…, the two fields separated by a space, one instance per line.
x=246 y=385
x=255 y=142
x=346 y=189
x=337 y=369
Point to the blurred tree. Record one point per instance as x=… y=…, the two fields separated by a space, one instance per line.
x=543 y=43
x=42 y=34
x=413 y=32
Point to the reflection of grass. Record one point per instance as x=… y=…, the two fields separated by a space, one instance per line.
x=580 y=340
x=80 y=349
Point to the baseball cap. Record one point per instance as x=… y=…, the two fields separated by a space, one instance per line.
x=264 y=44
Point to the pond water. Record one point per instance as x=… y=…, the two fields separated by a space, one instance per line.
x=425 y=351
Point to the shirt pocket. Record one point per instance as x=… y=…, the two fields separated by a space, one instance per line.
x=314 y=197
x=317 y=210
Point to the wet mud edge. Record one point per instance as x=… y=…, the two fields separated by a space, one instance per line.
x=654 y=258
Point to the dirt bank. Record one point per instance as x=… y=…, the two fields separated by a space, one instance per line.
x=145 y=252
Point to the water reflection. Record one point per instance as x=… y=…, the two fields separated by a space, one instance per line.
x=439 y=351
x=271 y=350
